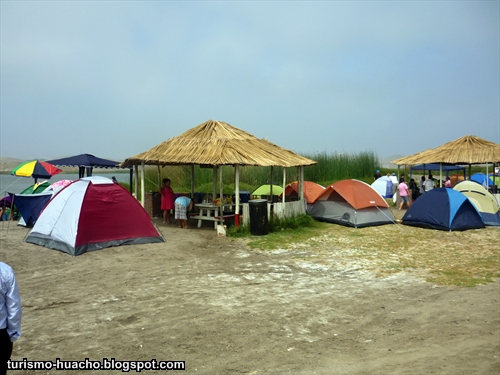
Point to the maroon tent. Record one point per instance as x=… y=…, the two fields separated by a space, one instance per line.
x=92 y=213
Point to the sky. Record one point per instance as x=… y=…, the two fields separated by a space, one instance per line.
x=116 y=78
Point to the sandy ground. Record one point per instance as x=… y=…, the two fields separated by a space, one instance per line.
x=226 y=309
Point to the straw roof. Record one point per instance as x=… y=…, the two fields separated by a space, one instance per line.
x=218 y=143
x=466 y=150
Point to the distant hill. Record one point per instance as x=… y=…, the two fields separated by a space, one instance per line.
x=386 y=162
x=8 y=164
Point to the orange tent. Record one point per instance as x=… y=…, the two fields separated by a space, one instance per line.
x=455 y=179
x=312 y=190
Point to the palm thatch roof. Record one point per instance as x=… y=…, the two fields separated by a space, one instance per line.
x=218 y=143
x=466 y=150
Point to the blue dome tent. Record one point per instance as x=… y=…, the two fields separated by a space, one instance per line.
x=443 y=209
x=482 y=179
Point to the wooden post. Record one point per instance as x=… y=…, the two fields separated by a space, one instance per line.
x=237 y=195
x=136 y=187
x=284 y=185
x=214 y=187
x=192 y=181
x=142 y=184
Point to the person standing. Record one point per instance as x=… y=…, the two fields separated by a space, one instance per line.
x=447 y=183
x=10 y=314
x=182 y=205
x=376 y=175
x=167 y=200
x=403 y=193
x=414 y=190
x=422 y=185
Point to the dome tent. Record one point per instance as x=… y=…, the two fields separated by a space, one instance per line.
x=92 y=213
x=444 y=209
x=311 y=191
x=385 y=186
x=352 y=203
x=482 y=199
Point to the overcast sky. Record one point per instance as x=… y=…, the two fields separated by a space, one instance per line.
x=116 y=78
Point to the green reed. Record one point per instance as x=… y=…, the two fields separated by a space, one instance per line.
x=329 y=168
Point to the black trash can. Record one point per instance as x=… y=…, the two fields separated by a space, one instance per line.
x=259 y=225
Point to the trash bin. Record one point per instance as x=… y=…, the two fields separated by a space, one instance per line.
x=259 y=225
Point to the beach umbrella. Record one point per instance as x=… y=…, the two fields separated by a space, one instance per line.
x=35 y=169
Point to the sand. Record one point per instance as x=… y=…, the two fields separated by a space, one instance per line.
x=224 y=308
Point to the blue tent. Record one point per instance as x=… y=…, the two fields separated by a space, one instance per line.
x=444 y=209
x=481 y=178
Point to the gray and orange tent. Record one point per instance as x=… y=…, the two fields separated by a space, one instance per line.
x=352 y=203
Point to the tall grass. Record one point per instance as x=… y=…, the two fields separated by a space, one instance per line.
x=329 y=168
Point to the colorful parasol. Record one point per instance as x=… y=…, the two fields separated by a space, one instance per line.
x=35 y=169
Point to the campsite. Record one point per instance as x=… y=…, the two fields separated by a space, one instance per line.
x=326 y=305
x=367 y=296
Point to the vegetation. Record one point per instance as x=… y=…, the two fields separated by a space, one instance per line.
x=291 y=226
x=329 y=168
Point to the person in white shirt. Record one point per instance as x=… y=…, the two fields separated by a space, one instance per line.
x=10 y=314
x=429 y=184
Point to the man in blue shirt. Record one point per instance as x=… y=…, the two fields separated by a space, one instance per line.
x=10 y=314
x=182 y=205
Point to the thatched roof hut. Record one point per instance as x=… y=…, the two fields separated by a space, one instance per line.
x=466 y=150
x=218 y=143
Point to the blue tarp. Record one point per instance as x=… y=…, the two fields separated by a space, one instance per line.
x=84 y=162
x=435 y=167
x=30 y=205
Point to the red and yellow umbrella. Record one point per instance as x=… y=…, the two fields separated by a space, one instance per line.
x=35 y=169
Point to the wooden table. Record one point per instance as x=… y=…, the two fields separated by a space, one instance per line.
x=210 y=212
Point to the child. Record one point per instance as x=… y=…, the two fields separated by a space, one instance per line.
x=167 y=200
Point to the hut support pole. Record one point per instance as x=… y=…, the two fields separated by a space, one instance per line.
x=284 y=185
x=271 y=188
x=131 y=178
x=136 y=187
x=192 y=181
x=159 y=177
x=221 y=201
x=214 y=187
x=142 y=184
x=237 y=195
